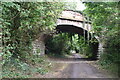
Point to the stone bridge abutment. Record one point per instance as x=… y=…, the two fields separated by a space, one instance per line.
x=71 y=22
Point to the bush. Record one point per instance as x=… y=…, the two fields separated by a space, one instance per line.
x=59 y=44
x=16 y=68
x=111 y=58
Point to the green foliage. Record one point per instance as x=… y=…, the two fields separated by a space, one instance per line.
x=64 y=43
x=16 y=69
x=105 y=23
x=87 y=48
x=113 y=46
x=22 y=22
x=59 y=44
x=19 y=69
x=35 y=59
x=104 y=15
x=110 y=62
x=38 y=50
x=42 y=71
x=113 y=40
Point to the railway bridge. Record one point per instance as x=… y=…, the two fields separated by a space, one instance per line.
x=71 y=22
x=74 y=22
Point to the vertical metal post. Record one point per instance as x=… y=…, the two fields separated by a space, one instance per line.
x=84 y=27
x=92 y=33
x=88 y=34
x=88 y=28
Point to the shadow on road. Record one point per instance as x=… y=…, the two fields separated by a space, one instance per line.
x=74 y=57
x=75 y=66
x=71 y=59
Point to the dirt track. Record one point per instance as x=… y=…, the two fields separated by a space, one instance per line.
x=79 y=67
x=75 y=67
x=82 y=70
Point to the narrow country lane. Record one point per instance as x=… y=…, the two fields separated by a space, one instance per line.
x=82 y=70
x=78 y=67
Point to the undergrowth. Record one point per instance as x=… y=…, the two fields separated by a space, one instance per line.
x=16 y=68
x=110 y=62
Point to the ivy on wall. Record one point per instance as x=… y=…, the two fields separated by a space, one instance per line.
x=22 y=22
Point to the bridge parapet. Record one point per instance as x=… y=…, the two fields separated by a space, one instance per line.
x=87 y=26
x=77 y=19
x=69 y=14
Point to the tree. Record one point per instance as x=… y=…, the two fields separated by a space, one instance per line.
x=105 y=18
x=23 y=22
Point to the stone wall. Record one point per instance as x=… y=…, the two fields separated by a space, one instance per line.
x=101 y=46
x=39 y=45
x=100 y=49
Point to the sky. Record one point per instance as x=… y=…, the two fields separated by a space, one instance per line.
x=80 y=5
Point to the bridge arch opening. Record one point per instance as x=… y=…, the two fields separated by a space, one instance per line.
x=70 y=30
x=72 y=22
